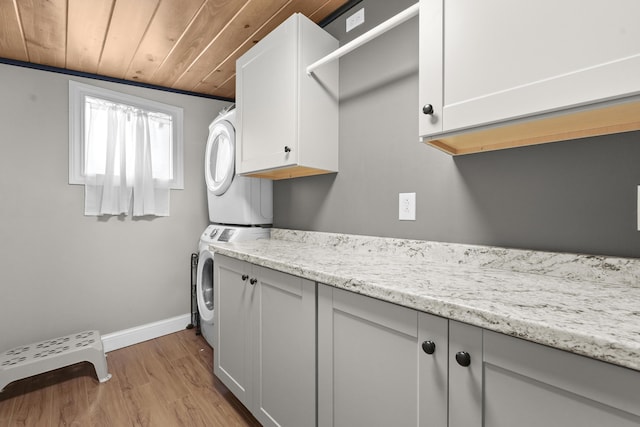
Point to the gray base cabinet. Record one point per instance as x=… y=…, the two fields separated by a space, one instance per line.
x=372 y=370
x=232 y=304
x=300 y=354
x=527 y=385
x=381 y=364
x=265 y=349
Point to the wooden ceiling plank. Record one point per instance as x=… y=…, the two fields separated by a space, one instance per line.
x=244 y=25
x=129 y=23
x=12 y=43
x=227 y=89
x=211 y=83
x=87 y=24
x=213 y=80
x=205 y=27
x=185 y=44
x=326 y=9
x=44 y=25
x=167 y=27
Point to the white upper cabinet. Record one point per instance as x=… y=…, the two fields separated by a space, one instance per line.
x=502 y=73
x=287 y=121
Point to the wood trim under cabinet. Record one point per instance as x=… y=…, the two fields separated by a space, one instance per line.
x=603 y=120
x=289 y=172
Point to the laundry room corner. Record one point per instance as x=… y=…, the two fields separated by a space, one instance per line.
x=63 y=271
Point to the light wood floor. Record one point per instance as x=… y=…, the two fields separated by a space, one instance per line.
x=167 y=381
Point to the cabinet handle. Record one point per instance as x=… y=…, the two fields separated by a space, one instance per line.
x=287 y=149
x=429 y=347
x=245 y=277
x=463 y=358
x=253 y=281
x=427 y=109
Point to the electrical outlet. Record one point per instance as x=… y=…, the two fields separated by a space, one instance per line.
x=355 y=20
x=407 y=207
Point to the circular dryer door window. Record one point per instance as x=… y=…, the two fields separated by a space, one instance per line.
x=220 y=157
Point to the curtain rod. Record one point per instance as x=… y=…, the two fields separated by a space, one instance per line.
x=369 y=35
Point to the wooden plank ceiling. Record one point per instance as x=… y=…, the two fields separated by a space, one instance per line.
x=190 y=45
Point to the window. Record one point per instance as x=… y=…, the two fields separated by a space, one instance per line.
x=123 y=147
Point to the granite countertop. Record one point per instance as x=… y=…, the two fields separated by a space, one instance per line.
x=588 y=305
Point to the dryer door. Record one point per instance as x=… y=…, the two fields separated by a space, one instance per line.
x=219 y=161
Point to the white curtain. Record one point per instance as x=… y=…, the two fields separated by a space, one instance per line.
x=122 y=181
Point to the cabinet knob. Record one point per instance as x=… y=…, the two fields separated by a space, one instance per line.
x=253 y=281
x=427 y=109
x=463 y=358
x=429 y=347
x=245 y=277
x=287 y=149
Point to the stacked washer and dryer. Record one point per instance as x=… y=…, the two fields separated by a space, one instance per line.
x=240 y=208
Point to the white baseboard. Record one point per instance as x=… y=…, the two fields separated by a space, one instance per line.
x=137 y=334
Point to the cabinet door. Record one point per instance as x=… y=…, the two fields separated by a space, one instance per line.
x=368 y=362
x=465 y=379
x=285 y=350
x=433 y=367
x=232 y=304
x=266 y=82
x=430 y=72
x=527 y=385
x=510 y=59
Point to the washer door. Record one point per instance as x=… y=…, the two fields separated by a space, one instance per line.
x=219 y=159
x=204 y=286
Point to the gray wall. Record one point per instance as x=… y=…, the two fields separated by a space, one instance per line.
x=62 y=272
x=574 y=196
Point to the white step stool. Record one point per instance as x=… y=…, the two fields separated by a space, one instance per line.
x=33 y=359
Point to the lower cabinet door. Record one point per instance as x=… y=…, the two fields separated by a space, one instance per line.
x=531 y=385
x=284 y=350
x=433 y=367
x=265 y=351
x=465 y=375
x=369 y=359
x=233 y=299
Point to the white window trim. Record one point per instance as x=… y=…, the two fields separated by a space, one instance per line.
x=77 y=93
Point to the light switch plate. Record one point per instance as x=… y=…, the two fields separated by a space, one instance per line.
x=407 y=207
x=355 y=20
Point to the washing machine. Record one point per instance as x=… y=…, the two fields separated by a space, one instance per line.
x=240 y=208
x=235 y=200
x=204 y=277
